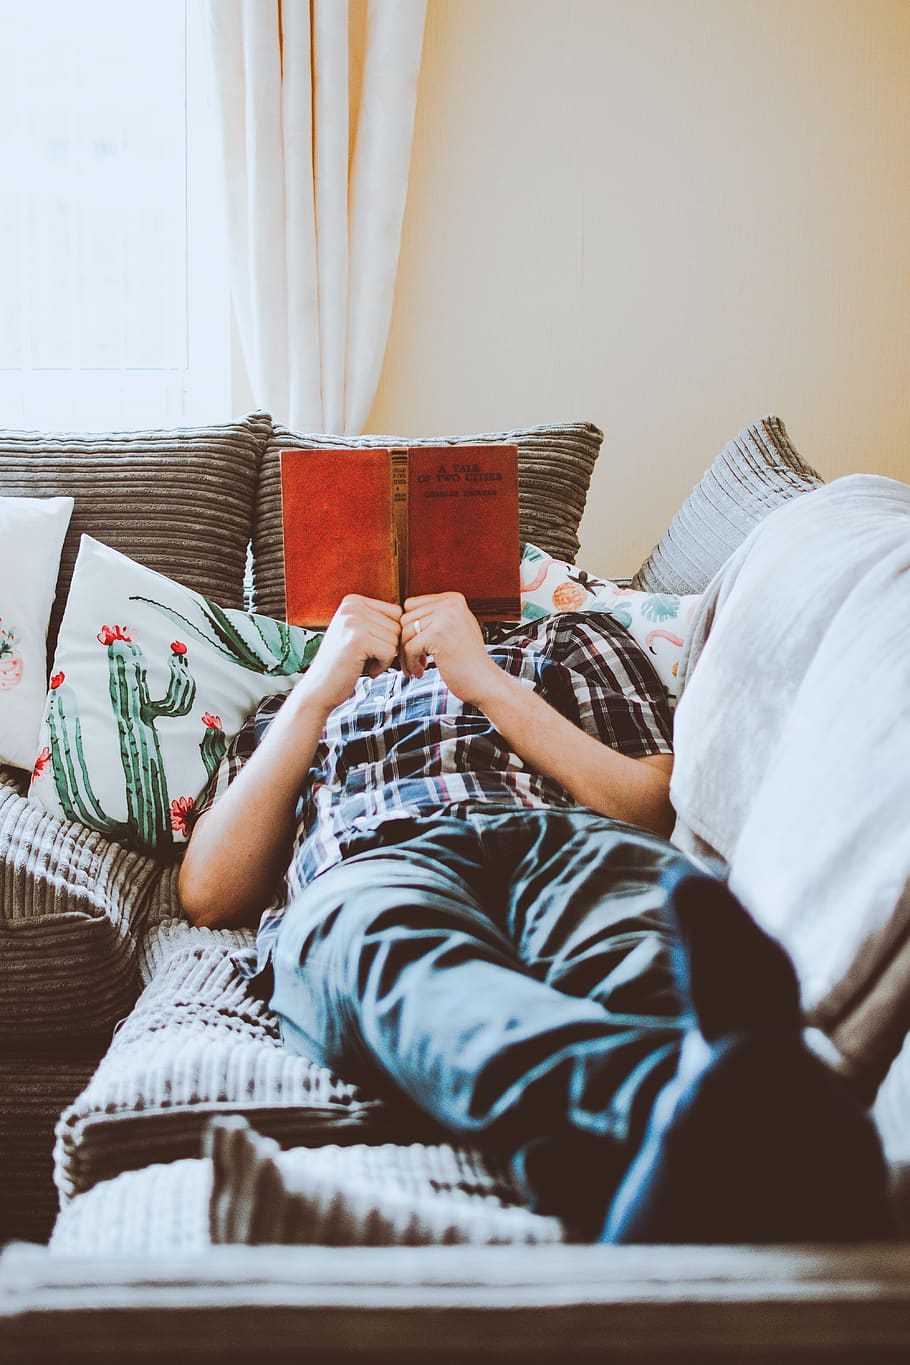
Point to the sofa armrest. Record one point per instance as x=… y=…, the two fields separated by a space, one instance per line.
x=552 y=1303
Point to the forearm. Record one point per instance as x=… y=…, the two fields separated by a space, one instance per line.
x=630 y=789
x=240 y=848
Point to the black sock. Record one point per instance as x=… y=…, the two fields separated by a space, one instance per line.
x=765 y=1143
x=736 y=976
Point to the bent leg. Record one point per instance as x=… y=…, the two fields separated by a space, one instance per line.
x=389 y=965
x=585 y=905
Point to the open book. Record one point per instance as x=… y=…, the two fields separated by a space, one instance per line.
x=396 y=523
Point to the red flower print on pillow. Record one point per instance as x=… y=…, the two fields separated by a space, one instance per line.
x=41 y=763
x=213 y=722
x=108 y=634
x=182 y=815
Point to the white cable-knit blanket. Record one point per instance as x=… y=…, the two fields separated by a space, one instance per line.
x=792 y=744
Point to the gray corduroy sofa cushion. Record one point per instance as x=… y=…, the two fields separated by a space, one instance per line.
x=35 y=1087
x=197 y=1044
x=555 y=464
x=179 y=501
x=159 y=1210
x=754 y=473
x=70 y=904
x=385 y=1194
x=251 y=1191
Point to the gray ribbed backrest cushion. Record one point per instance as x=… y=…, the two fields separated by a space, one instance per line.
x=555 y=464
x=179 y=501
x=754 y=473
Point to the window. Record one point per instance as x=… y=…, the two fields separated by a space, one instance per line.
x=114 y=296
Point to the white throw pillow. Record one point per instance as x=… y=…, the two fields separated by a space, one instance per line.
x=658 y=621
x=149 y=682
x=31 y=538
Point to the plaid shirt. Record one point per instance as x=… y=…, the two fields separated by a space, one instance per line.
x=400 y=747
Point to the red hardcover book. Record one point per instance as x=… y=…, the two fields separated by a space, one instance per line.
x=397 y=523
x=463 y=526
x=336 y=507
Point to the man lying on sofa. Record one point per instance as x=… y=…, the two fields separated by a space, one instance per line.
x=483 y=912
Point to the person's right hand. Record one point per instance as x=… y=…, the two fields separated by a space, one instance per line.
x=363 y=636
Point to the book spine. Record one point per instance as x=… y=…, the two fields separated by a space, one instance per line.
x=398 y=467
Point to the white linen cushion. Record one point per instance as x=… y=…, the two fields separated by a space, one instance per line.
x=31 y=538
x=149 y=682
x=658 y=621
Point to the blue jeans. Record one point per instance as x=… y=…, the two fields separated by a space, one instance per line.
x=507 y=970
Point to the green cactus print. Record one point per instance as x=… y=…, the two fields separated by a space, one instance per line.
x=67 y=761
x=148 y=813
x=213 y=746
x=148 y=822
x=258 y=643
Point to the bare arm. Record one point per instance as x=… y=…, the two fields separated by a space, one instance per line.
x=240 y=848
x=636 y=790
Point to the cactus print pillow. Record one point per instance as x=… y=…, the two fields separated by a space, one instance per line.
x=31 y=538
x=657 y=620
x=149 y=682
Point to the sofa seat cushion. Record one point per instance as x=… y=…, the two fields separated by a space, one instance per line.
x=198 y=1043
x=180 y=501
x=157 y=1210
x=555 y=464
x=250 y=1190
x=387 y=1194
x=70 y=904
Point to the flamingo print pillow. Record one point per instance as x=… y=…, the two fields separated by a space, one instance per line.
x=149 y=683
x=657 y=620
x=31 y=536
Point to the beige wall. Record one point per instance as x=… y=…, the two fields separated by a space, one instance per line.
x=666 y=216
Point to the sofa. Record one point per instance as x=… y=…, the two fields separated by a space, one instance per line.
x=159 y=1150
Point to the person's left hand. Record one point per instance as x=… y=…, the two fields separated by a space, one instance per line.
x=442 y=625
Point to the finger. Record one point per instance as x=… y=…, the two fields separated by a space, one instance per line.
x=414 y=624
x=390 y=611
x=375 y=664
x=381 y=645
x=424 y=601
x=415 y=638
x=373 y=667
x=414 y=652
x=412 y=665
x=377 y=604
x=380 y=638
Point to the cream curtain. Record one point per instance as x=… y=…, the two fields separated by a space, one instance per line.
x=315 y=205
